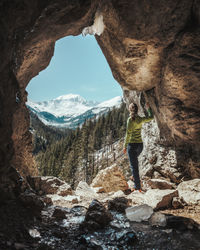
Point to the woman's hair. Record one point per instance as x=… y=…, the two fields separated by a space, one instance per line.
x=133 y=109
x=133 y=106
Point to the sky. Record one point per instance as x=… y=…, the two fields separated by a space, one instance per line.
x=77 y=67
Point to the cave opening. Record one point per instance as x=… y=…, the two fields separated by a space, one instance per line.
x=74 y=93
x=29 y=30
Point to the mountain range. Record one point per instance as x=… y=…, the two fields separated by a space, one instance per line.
x=69 y=111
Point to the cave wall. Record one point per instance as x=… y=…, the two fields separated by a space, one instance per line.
x=151 y=46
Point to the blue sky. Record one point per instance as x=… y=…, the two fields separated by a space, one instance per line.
x=78 y=67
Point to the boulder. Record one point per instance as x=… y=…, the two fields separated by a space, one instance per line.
x=158 y=219
x=159 y=184
x=118 y=204
x=63 y=200
x=159 y=199
x=32 y=201
x=60 y=212
x=111 y=179
x=97 y=216
x=137 y=198
x=83 y=189
x=190 y=191
x=50 y=185
x=139 y=213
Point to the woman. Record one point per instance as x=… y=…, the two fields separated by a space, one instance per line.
x=133 y=140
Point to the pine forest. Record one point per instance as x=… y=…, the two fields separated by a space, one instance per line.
x=74 y=155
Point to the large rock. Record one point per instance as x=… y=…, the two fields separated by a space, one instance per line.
x=139 y=213
x=159 y=199
x=118 y=204
x=160 y=184
x=190 y=191
x=111 y=179
x=50 y=185
x=97 y=216
x=84 y=190
x=137 y=198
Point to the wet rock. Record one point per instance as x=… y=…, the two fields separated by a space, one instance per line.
x=83 y=189
x=160 y=198
x=78 y=210
x=159 y=184
x=91 y=242
x=119 y=204
x=34 y=233
x=50 y=185
x=126 y=237
x=190 y=191
x=139 y=213
x=111 y=179
x=97 y=216
x=158 y=219
x=60 y=212
x=178 y=202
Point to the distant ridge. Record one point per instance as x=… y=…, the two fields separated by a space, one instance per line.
x=69 y=111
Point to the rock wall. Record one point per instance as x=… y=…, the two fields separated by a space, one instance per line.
x=151 y=46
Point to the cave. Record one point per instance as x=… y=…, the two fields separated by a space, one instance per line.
x=151 y=46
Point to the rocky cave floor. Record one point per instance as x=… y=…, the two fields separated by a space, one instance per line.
x=27 y=226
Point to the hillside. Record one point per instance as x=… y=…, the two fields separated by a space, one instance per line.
x=82 y=152
x=44 y=135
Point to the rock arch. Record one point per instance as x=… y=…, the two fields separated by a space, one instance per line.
x=151 y=46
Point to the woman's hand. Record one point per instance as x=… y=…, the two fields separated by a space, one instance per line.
x=147 y=105
x=124 y=150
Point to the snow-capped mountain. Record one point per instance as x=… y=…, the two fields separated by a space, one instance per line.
x=70 y=110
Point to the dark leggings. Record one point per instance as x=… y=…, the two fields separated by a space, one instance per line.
x=134 y=150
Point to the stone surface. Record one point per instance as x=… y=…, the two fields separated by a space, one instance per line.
x=158 y=219
x=73 y=199
x=118 y=204
x=99 y=189
x=60 y=213
x=97 y=216
x=50 y=185
x=137 y=198
x=32 y=201
x=111 y=179
x=83 y=189
x=190 y=191
x=139 y=213
x=178 y=202
x=159 y=184
x=159 y=199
